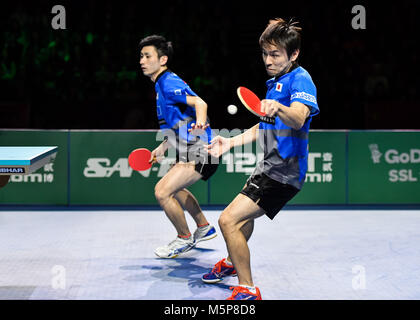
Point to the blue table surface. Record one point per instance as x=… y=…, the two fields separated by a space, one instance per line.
x=23 y=155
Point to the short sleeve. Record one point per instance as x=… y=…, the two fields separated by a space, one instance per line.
x=178 y=94
x=303 y=90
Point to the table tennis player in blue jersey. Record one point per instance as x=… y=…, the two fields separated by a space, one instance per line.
x=182 y=117
x=278 y=177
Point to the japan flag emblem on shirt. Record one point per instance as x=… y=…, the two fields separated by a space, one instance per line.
x=279 y=86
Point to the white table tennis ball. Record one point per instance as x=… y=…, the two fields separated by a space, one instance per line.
x=232 y=109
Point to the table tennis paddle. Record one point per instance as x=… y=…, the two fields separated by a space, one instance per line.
x=251 y=101
x=139 y=159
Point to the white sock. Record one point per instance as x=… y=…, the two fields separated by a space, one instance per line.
x=252 y=289
x=228 y=262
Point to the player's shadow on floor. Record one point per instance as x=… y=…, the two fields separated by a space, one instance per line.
x=203 y=250
x=175 y=270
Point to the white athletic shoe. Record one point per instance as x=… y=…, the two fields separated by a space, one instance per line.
x=204 y=233
x=175 y=248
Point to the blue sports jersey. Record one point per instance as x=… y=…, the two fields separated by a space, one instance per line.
x=286 y=149
x=172 y=109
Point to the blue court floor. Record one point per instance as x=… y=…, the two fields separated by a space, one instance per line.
x=300 y=255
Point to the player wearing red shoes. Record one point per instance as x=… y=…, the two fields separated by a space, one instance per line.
x=278 y=177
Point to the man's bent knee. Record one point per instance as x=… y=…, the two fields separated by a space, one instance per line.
x=226 y=222
x=161 y=194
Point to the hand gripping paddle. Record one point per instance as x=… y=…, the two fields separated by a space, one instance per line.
x=250 y=100
x=139 y=159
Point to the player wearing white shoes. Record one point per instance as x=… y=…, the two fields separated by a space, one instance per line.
x=278 y=177
x=182 y=115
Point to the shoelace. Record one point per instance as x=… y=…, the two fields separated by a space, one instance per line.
x=201 y=230
x=236 y=290
x=217 y=267
x=174 y=242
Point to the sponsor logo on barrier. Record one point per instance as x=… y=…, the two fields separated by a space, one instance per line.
x=12 y=170
x=403 y=175
x=393 y=156
x=376 y=155
x=238 y=162
x=46 y=177
x=320 y=167
x=241 y=162
x=103 y=168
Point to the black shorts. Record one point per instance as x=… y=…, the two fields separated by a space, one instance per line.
x=206 y=165
x=207 y=169
x=269 y=194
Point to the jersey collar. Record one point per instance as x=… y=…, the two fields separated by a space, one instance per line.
x=276 y=78
x=161 y=74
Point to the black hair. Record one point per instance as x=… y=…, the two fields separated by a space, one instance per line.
x=282 y=34
x=163 y=47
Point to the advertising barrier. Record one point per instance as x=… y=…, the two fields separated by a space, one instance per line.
x=384 y=167
x=91 y=168
x=326 y=176
x=100 y=173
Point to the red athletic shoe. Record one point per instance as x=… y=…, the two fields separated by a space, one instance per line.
x=241 y=293
x=219 y=271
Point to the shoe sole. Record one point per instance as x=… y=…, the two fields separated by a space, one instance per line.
x=171 y=257
x=217 y=280
x=246 y=299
